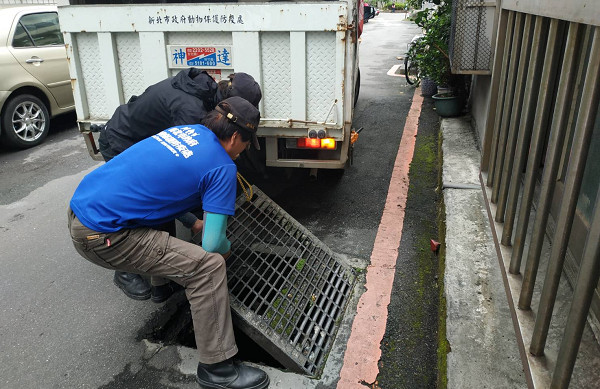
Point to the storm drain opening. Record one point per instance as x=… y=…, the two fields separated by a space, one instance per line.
x=288 y=291
x=172 y=325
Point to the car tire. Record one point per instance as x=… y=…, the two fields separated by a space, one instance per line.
x=25 y=122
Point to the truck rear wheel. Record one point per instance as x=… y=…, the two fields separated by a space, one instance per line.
x=357 y=86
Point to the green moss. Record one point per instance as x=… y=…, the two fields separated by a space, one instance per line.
x=426 y=150
x=426 y=162
x=279 y=319
x=423 y=282
x=300 y=264
x=443 y=345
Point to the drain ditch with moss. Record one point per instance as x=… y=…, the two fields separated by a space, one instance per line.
x=411 y=353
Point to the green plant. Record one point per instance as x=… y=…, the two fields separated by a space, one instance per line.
x=431 y=51
x=414 y=4
x=399 y=6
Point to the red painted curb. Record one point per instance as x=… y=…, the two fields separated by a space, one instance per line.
x=363 y=349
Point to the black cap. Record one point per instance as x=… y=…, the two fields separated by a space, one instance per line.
x=243 y=114
x=243 y=85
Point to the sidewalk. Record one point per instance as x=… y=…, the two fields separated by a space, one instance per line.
x=488 y=348
x=483 y=346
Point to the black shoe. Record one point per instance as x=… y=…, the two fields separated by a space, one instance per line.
x=163 y=292
x=133 y=285
x=231 y=374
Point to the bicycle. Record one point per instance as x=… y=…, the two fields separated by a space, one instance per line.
x=411 y=68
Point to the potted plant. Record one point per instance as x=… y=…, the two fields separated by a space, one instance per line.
x=431 y=55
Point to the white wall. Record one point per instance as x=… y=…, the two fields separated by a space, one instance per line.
x=12 y=2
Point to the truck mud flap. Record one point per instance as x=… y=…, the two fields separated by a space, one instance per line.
x=288 y=290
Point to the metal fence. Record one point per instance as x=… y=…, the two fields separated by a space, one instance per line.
x=471 y=37
x=543 y=165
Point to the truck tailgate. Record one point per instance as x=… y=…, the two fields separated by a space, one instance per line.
x=296 y=51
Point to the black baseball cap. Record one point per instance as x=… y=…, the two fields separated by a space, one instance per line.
x=244 y=85
x=243 y=114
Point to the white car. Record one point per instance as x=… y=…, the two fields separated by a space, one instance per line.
x=35 y=83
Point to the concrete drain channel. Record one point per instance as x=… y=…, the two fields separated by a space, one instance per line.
x=288 y=291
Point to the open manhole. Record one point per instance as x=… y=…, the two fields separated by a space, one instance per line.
x=172 y=325
x=288 y=291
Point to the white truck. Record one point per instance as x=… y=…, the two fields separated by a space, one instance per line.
x=303 y=54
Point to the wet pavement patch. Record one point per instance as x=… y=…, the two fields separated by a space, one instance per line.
x=146 y=377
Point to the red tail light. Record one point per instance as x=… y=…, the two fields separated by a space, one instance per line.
x=316 y=143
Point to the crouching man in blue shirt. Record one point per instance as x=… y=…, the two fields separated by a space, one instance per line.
x=115 y=208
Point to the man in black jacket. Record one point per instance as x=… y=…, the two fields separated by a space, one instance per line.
x=180 y=100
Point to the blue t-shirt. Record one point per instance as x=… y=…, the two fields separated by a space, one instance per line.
x=158 y=179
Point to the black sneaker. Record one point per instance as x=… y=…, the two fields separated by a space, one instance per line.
x=163 y=292
x=133 y=285
x=231 y=374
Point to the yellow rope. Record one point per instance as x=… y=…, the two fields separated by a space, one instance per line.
x=245 y=184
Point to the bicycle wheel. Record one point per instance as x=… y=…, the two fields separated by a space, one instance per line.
x=411 y=72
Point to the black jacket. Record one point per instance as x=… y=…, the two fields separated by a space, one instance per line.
x=179 y=100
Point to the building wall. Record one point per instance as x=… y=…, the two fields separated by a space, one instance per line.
x=479 y=104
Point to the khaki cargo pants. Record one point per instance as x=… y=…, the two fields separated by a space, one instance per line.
x=155 y=253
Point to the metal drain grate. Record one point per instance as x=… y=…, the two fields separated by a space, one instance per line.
x=288 y=291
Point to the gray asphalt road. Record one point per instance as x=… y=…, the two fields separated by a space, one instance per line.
x=62 y=322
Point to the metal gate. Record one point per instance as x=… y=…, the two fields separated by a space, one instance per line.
x=288 y=291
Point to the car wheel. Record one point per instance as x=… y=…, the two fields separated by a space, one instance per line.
x=25 y=122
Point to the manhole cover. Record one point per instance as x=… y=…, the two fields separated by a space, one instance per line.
x=288 y=290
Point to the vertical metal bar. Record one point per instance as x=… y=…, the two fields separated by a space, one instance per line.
x=579 y=152
x=507 y=107
x=494 y=89
x=298 y=69
x=566 y=94
x=526 y=126
x=564 y=160
x=513 y=128
x=76 y=73
x=111 y=74
x=543 y=103
x=155 y=67
x=341 y=83
x=587 y=280
x=501 y=93
x=247 y=44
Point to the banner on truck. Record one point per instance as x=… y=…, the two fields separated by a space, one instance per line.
x=204 y=57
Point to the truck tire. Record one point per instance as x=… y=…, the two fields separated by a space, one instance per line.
x=25 y=122
x=357 y=86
